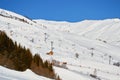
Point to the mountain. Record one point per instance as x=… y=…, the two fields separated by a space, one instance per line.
x=90 y=48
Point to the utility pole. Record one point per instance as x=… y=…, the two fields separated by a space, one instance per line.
x=52 y=46
x=110 y=59
x=92 y=51
x=45 y=37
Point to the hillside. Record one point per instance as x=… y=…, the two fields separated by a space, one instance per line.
x=15 y=57
x=96 y=42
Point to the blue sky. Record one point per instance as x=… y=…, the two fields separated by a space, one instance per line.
x=64 y=10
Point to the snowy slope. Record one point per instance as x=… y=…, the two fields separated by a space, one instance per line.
x=7 y=74
x=100 y=37
x=93 y=29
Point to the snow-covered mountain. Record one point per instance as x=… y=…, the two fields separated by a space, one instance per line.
x=96 y=42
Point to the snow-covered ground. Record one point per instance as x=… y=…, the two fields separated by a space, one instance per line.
x=94 y=40
x=7 y=74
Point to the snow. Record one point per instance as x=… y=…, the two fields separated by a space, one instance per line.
x=70 y=75
x=7 y=74
x=100 y=37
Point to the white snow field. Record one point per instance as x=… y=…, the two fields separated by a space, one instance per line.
x=7 y=74
x=97 y=42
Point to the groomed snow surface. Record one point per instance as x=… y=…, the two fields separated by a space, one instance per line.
x=93 y=40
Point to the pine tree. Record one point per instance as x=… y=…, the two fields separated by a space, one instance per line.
x=50 y=67
x=38 y=60
x=46 y=64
